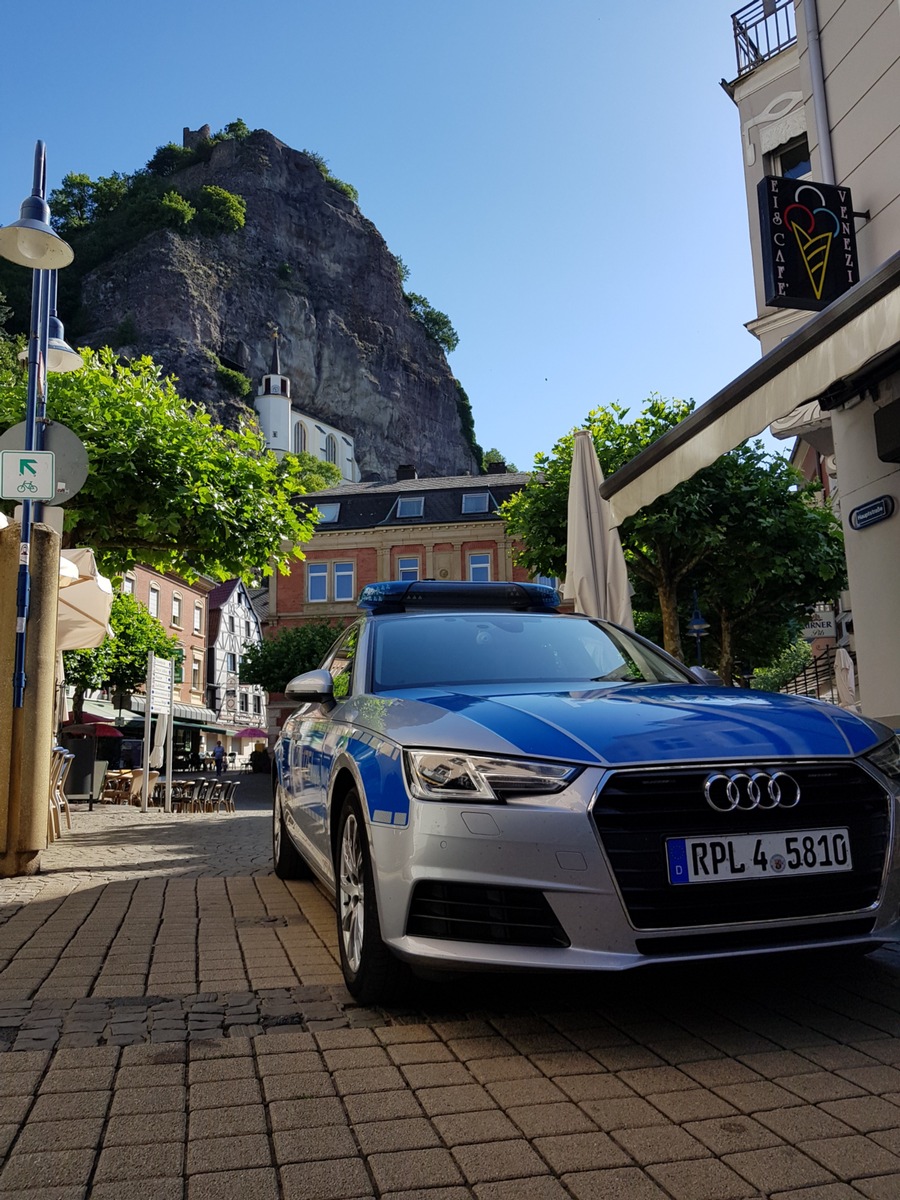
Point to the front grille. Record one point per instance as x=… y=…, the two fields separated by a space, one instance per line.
x=637 y=810
x=474 y=912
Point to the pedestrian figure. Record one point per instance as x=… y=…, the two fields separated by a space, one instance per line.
x=219 y=757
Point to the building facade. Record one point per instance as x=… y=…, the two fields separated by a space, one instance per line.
x=409 y=529
x=233 y=625
x=817 y=92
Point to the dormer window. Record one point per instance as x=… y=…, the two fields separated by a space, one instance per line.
x=410 y=506
x=328 y=513
x=476 y=502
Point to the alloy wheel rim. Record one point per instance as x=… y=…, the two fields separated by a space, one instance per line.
x=351 y=893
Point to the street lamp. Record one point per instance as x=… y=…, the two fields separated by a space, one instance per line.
x=31 y=242
x=697 y=627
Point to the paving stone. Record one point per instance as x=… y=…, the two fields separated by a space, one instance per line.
x=851 y=1157
x=788 y=1165
x=151 y=1189
x=825 y=1191
x=259 y=1184
x=704 y=1179
x=145 y=1128
x=647 y=1080
x=519 y=1189
x=594 y=1087
x=883 y=1187
x=411 y=1133
x=381 y=1106
x=46 y=1169
x=159 y=1161
x=487 y=1161
x=865 y=1113
x=819 y=1086
x=525 y=1091
x=624 y=1113
x=462 y=1128
x=68 y=1134
x=297 y=1087
x=337 y=1179
x=621 y=1183
x=757 y=1097
x=232 y=1153
x=545 y=1119
x=581 y=1152
x=454 y=1099
x=800 y=1124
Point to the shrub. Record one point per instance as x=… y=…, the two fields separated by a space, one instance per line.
x=177 y=213
x=219 y=211
x=785 y=667
x=437 y=324
x=234 y=382
x=168 y=159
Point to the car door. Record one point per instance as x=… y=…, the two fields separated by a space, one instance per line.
x=312 y=753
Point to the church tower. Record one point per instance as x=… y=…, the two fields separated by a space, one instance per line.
x=273 y=403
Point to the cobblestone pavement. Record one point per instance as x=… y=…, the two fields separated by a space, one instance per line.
x=172 y=1018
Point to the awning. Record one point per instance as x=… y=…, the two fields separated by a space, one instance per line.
x=852 y=342
x=181 y=712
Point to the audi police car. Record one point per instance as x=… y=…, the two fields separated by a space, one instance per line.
x=482 y=782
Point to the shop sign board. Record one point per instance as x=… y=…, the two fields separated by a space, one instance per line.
x=808 y=242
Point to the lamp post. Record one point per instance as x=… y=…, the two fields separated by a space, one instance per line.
x=697 y=627
x=31 y=242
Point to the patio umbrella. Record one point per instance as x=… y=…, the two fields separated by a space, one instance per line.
x=94 y=729
x=252 y=731
x=84 y=603
x=158 y=753
x=596 y=578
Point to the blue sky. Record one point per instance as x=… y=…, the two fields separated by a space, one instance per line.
x=562 y=177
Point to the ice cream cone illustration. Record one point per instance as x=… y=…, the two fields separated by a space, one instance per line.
x=814 y=250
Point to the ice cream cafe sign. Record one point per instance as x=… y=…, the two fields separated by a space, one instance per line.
x=808 y=242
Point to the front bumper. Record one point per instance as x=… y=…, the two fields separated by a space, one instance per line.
x=557 y=853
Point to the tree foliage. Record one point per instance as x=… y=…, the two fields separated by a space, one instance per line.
x=220 y=211
x=496 y=456
x=276 y=660
x=120 y=661
x=784 y=667
x=746 y=532
x=436 y=324
x=166 y=486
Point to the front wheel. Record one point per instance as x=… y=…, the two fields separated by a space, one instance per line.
x=372 y=974
x=289 y=864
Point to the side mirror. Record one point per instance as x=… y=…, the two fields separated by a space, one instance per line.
x=705 y=676
x=311 y=687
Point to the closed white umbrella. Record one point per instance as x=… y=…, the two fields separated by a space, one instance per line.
x=596 y=577
x=845 y=679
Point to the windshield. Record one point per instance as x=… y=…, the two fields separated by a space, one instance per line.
x=441 y=649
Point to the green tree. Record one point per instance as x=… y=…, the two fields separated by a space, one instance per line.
x=273 y=662
x=495 y=456
x=695 y=535
x=437 y=324
x=166 y=486
x=120 y=661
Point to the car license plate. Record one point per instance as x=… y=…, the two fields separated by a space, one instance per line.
x=758 y=856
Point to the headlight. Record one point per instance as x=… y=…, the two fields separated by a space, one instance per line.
x=444 y=775
x=887 y=758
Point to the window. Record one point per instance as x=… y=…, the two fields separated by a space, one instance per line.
x=198 y=618
x=176 y=609
x=231 y=663
x=153 y=602
x=330 y=581
x=407 y=569
x=546 y=580
x=195 y=675
x=128 y=585
x=243 y=703
x=317 y=581
x=231 y=624
x=343 y=581
x=331 y=448
x=328 y=513
x=792 y=159
x=475 y=502
x=299 y=438
x=479 y=567
x=340 y=665
x=410 y=506
x=247 y=631
x=257 y=705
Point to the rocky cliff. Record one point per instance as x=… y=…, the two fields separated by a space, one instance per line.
x=308 y=262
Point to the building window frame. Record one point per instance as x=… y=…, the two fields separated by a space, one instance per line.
x=177 y=609
x=476 y=502
x=153 y=601
x=408 y=568
x=198 y=617
x=410 y=506
x=317 y=582
x=344 y=580
x=128 y=582
x=479 y=566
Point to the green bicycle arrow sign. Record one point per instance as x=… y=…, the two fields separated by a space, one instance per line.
x=28 y=475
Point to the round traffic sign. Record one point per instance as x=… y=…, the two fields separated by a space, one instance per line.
x=71 y=456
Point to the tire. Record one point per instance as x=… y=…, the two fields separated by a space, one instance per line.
x=372 y=974
x=289 y=863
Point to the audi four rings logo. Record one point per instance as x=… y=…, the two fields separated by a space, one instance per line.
x=727 y=790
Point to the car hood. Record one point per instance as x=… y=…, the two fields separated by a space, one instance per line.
x=618 y=724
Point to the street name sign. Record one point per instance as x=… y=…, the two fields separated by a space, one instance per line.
x=27 y=474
